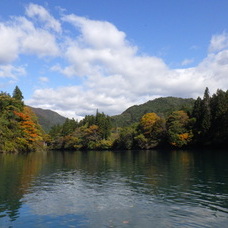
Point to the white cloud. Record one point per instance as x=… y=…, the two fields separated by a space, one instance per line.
x=9 y=71
x=215 y=68
x=36 y=41
x=9 y=46
x=94 y=50
x=218 y=42
x=44 y=79
x=34 y=10
x=20 y=36
x=97 y=34
x=114 y=75
x=186 y=62
x=75 y=101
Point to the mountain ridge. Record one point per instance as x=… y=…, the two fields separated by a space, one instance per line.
x=48 y=118
x=162 y=106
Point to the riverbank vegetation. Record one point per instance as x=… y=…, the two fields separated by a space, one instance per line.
x=187 y=123
x=19 y=129
x=203 y=124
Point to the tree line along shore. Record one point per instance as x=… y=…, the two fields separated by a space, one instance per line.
x=205 y=123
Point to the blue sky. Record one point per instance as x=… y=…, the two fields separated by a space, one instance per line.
x=77 y=56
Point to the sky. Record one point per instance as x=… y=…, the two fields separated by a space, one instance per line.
x=77 y=56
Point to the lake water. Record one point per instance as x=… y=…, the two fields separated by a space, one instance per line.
x=114 y=189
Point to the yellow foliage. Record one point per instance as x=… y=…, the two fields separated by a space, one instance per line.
x=147 y=121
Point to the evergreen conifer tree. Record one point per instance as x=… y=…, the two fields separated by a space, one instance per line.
x=17 y=94
x=206 y=113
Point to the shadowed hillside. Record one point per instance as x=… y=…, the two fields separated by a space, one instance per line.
x=48 y=118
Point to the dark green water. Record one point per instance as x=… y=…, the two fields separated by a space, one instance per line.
x=114 y=189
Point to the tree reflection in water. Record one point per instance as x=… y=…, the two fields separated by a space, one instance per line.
x=104 y=186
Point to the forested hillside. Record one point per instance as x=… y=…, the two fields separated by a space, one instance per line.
x=19 y=130
x=161 y=106
x=170 y=122
x=47 y=118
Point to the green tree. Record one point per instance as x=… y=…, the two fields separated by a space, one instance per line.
x=197 y=111
x=104 y=123
x=179 y=129
x=126 y=138
x=91 y=137
x=206 y=113
x=219 y=117
x=101 y=120
x=203 y=116
x=69 y=126
x=17 y=94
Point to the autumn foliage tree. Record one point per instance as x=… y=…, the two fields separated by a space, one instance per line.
x=32 y=132
x=90 y=133
x=204 y=124
x=151 y=131
x=19 y=130
x=179 y=129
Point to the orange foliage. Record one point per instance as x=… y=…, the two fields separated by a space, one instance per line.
x=28 y=124
x=92 y=129
x=184 y=136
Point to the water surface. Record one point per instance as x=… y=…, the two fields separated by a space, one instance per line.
x=114 y=189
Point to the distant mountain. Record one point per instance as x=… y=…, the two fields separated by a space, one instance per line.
x=48 y=118
x=162 y=106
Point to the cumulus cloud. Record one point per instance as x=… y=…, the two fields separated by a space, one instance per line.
x=34 y=10
x=94 y=50
x=214 y=69
x=75 y=101
x=219 y=42
x=35 y=41
x=9 y=46
x=186 y=62
x=10 y=71
x=39 y=42
x=114 y=75
x=92 y=32
x=21 y=36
